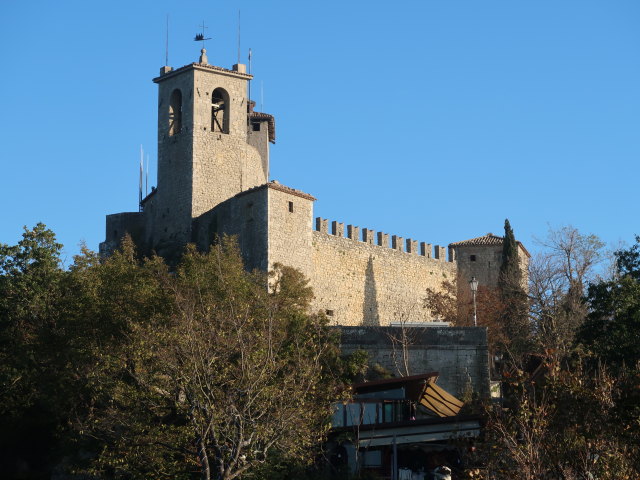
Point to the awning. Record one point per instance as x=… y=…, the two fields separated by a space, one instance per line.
x=439 y=401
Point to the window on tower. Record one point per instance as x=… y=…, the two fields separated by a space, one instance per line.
x=220 y=111
x=175 y=112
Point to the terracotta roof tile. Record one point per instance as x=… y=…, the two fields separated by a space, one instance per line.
x=270 y=119
x=486 y=240
x=275 y=185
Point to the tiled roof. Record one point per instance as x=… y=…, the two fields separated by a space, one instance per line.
x=486 y=240
x=272 y=123
x=275 y=185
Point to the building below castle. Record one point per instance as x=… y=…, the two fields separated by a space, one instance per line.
x=213 y=179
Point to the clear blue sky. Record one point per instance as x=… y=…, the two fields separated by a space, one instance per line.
x=434 y=120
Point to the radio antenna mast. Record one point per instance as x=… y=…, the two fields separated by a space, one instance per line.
x=238 y=35
x=147 y=178
x=166 y=46
x=249 y=74
x=140 y=182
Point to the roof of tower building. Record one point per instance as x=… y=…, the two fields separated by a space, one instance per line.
x=202 y=66
x=486 y=240
x=275 y=185
x=260 y=116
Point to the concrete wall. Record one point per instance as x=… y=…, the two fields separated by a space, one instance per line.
x=362 y=283
x=459 y=354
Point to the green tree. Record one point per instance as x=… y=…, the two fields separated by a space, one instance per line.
x=612 y=330
x=515 y=305
x=228 y=376
x=31 y=350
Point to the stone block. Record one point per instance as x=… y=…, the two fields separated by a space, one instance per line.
x=396 y=243
x=383 y=239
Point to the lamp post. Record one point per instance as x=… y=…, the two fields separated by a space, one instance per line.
x=474 y=288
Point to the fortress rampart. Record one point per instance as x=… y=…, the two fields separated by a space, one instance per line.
x=380 y=239
x=379 y=282
x=213 y=179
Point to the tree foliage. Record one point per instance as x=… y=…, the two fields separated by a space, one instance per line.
x=612 y=329
x=558 y=278
x=125 y=368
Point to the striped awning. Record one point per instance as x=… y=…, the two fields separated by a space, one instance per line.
x=439 y=401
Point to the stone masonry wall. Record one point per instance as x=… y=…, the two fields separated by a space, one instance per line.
x=370 y=282
x=171 y=221
x=223 y=164
x=243 y=216
x=485 y=266
x=459 y=354
x=290 y=230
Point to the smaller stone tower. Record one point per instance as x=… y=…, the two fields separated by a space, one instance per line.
x=481 y=258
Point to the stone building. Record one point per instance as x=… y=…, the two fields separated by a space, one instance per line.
x=213 y=179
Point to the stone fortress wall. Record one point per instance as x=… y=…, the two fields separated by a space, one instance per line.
x=379 y=283
x=213 y=180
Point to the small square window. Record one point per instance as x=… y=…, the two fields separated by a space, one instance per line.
x=472 y=258
x=290 y=207
x=329 y=313
x=255 y=126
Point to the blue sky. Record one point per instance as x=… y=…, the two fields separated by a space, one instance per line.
x=434 y=120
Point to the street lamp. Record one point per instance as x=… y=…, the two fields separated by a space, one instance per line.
x=474 y=289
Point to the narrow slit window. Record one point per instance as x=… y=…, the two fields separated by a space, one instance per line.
x=290 y=207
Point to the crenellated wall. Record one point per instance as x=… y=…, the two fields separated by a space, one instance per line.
x=363 y=279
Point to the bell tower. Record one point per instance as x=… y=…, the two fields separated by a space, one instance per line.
x=210 y=148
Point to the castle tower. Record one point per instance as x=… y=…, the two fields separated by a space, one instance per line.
x=211 y=147
x=205 y=153
x=481 y=258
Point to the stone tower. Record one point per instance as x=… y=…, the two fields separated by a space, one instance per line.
x=213 y=180
x=211 y=146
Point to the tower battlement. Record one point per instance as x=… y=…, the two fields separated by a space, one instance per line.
x=213 y=179
x=381 y=239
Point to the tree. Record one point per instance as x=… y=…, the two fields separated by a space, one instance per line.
x=31 y=350
x=510 y=279
x=232 y=376
x=557 y=286
x=611 y=331
x=564 y=424
x=514 y=315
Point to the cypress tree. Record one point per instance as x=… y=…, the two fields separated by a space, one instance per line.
x=510 y=274
x=514 y=297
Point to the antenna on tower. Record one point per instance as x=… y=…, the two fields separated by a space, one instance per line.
x=166 y=45
x=140 y=183
x=261 y=96
x=249 y=74
x=238 y=35
x=146 y=189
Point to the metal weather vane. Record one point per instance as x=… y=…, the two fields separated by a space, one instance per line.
x=200 y=36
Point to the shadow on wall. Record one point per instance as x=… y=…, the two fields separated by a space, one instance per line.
x=370 y=314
